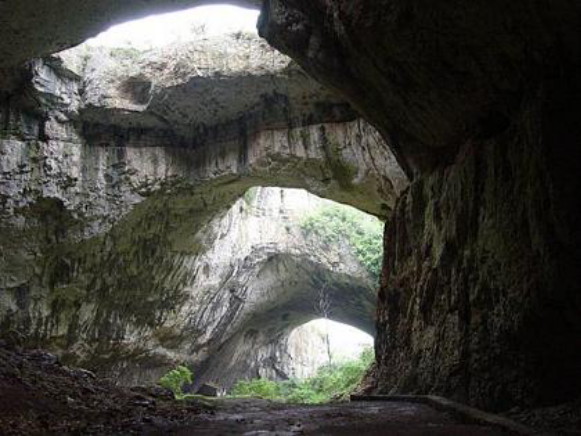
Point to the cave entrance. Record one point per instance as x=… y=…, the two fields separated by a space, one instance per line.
x=159 y=146
x=299 y=275
x=318 y=362
x=179 y=27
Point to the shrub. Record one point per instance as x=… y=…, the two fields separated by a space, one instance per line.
x=258 y=387
x=331 y=382
x=176 y=379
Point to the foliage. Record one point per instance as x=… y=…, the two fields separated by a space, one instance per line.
x=250 y=196
x=176 y=379
x=126 y=53
x=362 y=232
x=258 y=387
x=331 y=382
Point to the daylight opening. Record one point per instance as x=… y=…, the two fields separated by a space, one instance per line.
x=314 y=268
x=323 y=342
x=178 y=27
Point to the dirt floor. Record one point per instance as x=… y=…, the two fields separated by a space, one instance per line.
x=252 y=417
x=38 y=395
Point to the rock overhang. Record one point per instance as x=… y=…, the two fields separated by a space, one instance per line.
x=234 y=79
x=32 y=29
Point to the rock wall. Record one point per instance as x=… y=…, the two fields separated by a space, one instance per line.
x=480 y=290
x=480 y=293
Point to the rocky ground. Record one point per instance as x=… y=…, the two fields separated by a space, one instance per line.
x=256 y=417
x=39 y=395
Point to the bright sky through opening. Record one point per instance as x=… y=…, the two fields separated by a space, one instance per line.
x=346 y=341
x=164 y=29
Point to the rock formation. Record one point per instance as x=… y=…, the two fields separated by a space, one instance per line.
x=255 y=283
x=479 y=102
x=112 y=161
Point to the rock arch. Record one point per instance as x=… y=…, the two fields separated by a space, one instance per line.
x=476 y=101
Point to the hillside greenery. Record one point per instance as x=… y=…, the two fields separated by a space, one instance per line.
x=331 y=382
x=363 y=232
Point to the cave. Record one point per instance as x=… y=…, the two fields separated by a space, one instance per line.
x=454 y=123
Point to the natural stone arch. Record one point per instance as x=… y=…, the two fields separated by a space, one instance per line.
x=258 y=272
x=255 y=347
x=111 y=192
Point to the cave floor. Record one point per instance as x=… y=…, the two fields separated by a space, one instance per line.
x=260 y=417
x=39 y=395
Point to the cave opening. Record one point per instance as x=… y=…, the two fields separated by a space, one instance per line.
x=278 y=259
x=117 y=161
x=320 y=361
x=172 y=28
x=332 y=342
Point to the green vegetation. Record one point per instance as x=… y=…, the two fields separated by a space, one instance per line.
x=363 y=232
x=332 y=382
x=176 y=379
x=128 y=53
x=250 y=195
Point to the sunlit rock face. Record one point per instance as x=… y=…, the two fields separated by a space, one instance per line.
x=230 y=82
x=102 y=207
x=480 y=292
